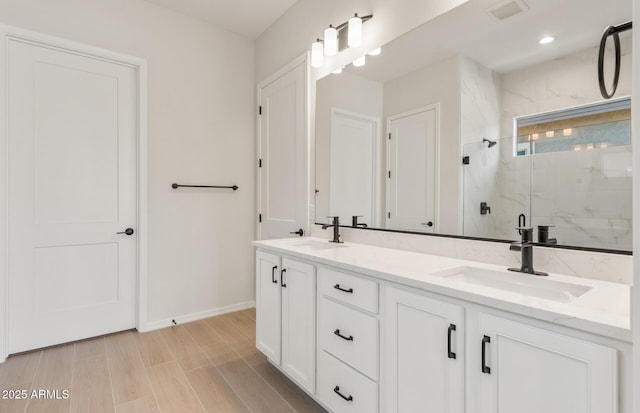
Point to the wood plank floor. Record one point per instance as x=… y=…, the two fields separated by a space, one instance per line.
x=210 y=365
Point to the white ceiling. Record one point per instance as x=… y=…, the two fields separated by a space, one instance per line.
x=504 y=45
x=246 y=17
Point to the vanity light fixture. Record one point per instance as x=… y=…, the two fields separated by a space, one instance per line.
x=355 y=31
x=375 y=52
x=547 y=40
x=317 y=53
x=336 y=39
x=360 y=61
x=330 y=41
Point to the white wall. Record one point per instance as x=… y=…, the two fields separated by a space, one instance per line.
x=200 y=120
x=635 y=297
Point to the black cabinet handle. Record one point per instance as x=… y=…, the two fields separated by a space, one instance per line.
x=273 y=274
x=485 y=369
x=337 y=391
x=337 y=287
x=282 y=278
x=451 y=354
x=337 y=333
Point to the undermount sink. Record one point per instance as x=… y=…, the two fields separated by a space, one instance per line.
x=315 y=245
x=525 y=284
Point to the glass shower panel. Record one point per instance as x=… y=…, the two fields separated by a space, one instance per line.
x=585 y=193
x=496 y=188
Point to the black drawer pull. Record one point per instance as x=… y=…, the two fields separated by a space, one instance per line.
x=485 y=369
x=337 y=333
x=451 y=354
x=282 y=278
x=337 y=391
x=273 y=274
x=337 y=287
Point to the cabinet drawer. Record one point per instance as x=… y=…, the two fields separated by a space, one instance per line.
x=349 y=335
x=349 y=289
x=343 y=389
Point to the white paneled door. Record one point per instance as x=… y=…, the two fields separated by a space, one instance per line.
x=412 y=170
x=72 y=188
x=282 y=153
x=352 y=174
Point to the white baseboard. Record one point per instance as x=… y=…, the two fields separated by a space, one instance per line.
x=155 y=325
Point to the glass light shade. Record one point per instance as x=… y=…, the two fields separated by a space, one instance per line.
x=330 y=41
x=359 y=61
x=354 y=36
x=376 y=51
x=317 y=54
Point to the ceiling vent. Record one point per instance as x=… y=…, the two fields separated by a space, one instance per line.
x=506 y=9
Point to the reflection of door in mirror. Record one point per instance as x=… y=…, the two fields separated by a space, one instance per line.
x=412 y=167
x=352 y=172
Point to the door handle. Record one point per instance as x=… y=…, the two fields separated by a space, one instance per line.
x=282 y=278
x=451 y=354
x=299 y=232
x=273 y=274
x=429 y=224
x=485 y=369
x=128 y=231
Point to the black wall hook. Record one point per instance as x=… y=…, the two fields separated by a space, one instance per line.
x=611 y=31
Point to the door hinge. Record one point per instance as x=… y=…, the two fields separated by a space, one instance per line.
x=389 y=174
x=259 y=217
x=259 y=163
x=389 y=135
x=260 y=110
x=465 y=160
x=389 y=215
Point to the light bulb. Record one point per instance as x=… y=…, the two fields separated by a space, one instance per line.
x=375 y=52
x=547 y=40
x=567 y=132
x=550 y=134
x=330 y=41
x=317 y=54
x=534 y=136
x=359 y=61
x=355 y=31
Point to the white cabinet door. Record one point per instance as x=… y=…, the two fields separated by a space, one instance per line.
x=298 y=322
x=423 y=358
x=533 y=371
x=268 y=310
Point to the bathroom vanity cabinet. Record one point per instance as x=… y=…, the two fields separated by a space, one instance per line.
x=376 y=344
x=286 y=315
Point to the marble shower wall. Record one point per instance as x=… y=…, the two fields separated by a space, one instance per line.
x=585 y=194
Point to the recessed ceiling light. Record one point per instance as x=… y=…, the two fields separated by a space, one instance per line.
x=547 y=39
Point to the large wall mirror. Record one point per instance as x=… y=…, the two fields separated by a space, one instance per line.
x=470 y=126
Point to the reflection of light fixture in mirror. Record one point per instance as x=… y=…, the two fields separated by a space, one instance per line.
x=567 y=132
x=577 y=148
x=337 y=71
x=550 y=134
x=317 y=53
x=604 y=145
x=375 y=52
x=355 y=31
x=330 y=41
x=547 y=39
x=590 y=146
x=534 y=136
x=360 y=61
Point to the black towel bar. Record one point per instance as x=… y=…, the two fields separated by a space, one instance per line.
x=176 y=186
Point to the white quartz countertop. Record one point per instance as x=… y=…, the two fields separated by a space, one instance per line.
x=603 y=310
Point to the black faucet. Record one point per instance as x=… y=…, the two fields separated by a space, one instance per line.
x=354 y=222
x=526 y=247
x=543 y=235
x=336 y=229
